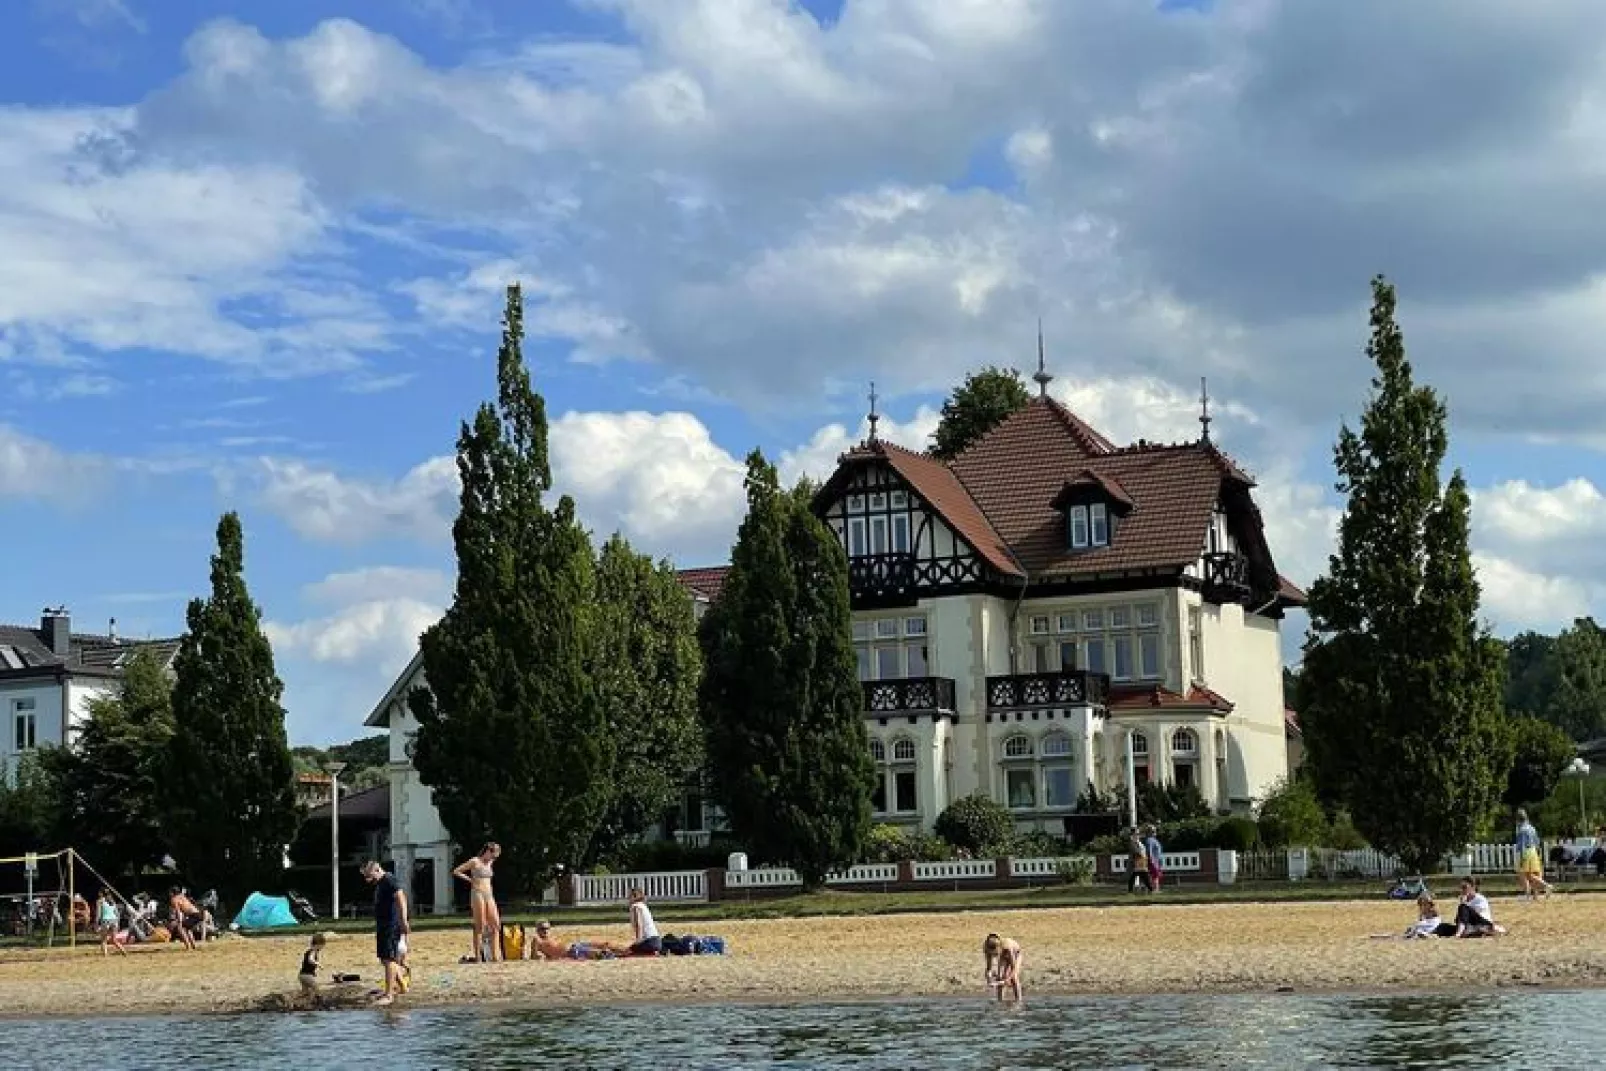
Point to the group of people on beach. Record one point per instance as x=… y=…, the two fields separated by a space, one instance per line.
x=1473 y=915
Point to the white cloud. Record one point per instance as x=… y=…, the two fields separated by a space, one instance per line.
x=328 y=507
x=1517 y=598
x=380 y=583
x=817 y=458
x=31 y=468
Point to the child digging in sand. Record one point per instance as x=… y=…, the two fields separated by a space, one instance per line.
x=310 y=961
x=1003 y=959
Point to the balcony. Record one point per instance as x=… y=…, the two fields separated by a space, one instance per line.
x=912 y=695
x=882 y=578
x=1026 y=691
x=1226 y=577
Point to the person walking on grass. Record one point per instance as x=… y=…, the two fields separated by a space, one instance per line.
x=1137 y=863
x=1151 y=847
x=1530 y=859
x=390 y=926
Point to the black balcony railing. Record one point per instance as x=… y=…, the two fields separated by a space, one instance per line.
x=877 y=574
x=910 y=695
x=1226 y=576
x=1072 y=688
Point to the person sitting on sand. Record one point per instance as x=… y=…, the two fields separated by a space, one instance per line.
x=547 y=947
x=107 y=916
x=1002 y=957
x=644 y=931
x=1473 y=917
x=1428 y=922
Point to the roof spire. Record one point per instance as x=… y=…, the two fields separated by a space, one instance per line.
x=874 y=416
x=1042 y=376
x=1204 y=410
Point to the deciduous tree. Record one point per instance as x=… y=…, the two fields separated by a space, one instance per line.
x=512 y=736
x=781 y=700
x=1404 y=716
x=229 y=799
x=1541 y=753
x=977 y=406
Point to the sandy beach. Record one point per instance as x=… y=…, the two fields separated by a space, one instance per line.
x=1145 y=948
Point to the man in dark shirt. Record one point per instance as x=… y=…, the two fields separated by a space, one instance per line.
x=390 y=923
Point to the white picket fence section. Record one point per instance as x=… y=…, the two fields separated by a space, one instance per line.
x=1171 y=862
x=956 y=870
x=1492 y=858
x=1044 y=868
x=866 y=874
x=786 y=877
x=595 y=890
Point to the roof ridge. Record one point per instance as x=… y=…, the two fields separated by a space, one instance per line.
x=1096 y=440
x=1224 y=461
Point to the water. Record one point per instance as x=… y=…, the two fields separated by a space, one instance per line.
x=1534 y=1029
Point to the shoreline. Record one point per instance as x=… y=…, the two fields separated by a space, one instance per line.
x=1311 y=949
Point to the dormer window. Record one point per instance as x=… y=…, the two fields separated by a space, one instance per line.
x=1090 y=525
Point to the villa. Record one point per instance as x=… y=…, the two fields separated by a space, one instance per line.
x=1023 y=616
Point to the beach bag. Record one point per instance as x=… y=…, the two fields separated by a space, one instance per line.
x=513 y=941
x=711 y=946
x=160 y=935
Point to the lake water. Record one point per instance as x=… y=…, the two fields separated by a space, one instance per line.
x=1534 y=1029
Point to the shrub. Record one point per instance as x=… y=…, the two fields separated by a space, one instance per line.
x=1092 y=801
x=930 y=848
x=977 y=824
x=1078 y=870
x=1112 y=844
x=1236 y=835
x=1189 y=835
x=1344 y=836
x=1292 y=816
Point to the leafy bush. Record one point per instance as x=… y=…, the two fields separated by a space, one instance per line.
x=1236 y=835
x=1344 y=836
x=888 y=844
x=1291 y=816
x=977 y=824
x=930 y=848
x=1079 y=870
x=650 y=856
x=1113 y=844
x=1038 y=844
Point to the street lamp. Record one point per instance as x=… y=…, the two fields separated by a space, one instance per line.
x=334 y=769
x=1580 y=769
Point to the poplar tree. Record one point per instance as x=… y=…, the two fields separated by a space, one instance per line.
x=1402 y=686
x=228 y=786
x=512 y=738
x=781 y=700
x=646 y=669
x=975 y=407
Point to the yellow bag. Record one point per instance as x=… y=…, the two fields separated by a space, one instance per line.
x=513 y=941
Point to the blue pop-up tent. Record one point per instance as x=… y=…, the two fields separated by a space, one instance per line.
x=264 y=913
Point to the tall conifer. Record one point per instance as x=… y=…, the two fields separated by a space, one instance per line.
x=1404 y=717
x=781 y=700
x=229 y=796
x=512 y=738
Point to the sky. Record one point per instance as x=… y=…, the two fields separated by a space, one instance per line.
x=252 y=257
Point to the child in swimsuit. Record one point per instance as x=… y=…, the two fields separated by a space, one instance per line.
x=308 y=976
x=1002 y=956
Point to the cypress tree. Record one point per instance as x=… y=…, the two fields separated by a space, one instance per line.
x=511 y=735
x=1403 y=687
x=781 y=700
x=230 y=799
x=647 y=665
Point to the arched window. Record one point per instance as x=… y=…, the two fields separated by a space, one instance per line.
x=1056 y=745
x=903 y=750
x=878 y=751
x=1018 y=747
x=896 y=782
x=1140 y=758
x=1185 y=759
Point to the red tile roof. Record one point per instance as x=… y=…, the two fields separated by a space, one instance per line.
x=706 y=582
x=1154 y=697
x=1290 y=592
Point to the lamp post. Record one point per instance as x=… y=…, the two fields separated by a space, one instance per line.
x=1131 y=783
x=1580 y=769
x=334 y=838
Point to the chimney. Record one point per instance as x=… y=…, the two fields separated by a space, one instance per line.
x=111 y=631
x=57 y=627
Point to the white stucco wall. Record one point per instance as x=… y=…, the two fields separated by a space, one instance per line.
x=1243 y=662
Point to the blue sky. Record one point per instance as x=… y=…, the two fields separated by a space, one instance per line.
x=251 y=258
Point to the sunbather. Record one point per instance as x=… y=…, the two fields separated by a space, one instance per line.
x=545 y=946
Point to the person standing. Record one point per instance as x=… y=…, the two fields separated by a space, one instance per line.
x=482 y=901
x=186 y=916
x=107 y=917
x=390 y=925
x=1151 y=847
x=644 y=931
x=1137 y=863
x=1530 y=859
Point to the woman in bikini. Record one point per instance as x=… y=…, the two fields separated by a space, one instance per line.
x=482 y=902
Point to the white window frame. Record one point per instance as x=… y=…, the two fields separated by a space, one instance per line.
x=878 y=534
x=856 y=537
x=856 y=503
x=1103 y=660
x=1119 y=618
x=1146 y=615
x=1098 y=525
x=24 y=712
x=1119 y=642
x=886 y=628
x=900 y=533
x=878 y=500
x=1039 y=625
x=896 y=651
x=900 y=500
x=898 y=765
x=1066 y=622
x=1184 y=743
x=915 y=626
x=1076 y=518
x=1149 y=642
x=1055 y=761
x=912 y=651
x=1075 y=650
x=1196 y=642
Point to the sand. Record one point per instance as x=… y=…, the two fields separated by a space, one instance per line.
x=1145 y=948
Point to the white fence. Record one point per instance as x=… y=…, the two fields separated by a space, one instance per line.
x=1171 y=862
x=592 y=890
x=786 y=877
x=956 y=870
x=1045 y=868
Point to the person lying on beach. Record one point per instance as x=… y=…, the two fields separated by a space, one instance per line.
x=545 y=946
x=1002 y=956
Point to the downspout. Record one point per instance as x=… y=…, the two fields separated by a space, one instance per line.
x=1014 y=612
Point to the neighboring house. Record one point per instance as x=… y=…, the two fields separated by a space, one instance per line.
x=314 y=790
x=1023 y=610
x=50 y=675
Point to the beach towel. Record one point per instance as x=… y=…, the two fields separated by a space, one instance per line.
x=264 y=913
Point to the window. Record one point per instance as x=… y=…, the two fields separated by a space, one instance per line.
x=864 y=664
x=883 y=652
x=1183 y=742
x=878 y=535
x=1099 y=520
x=861 y=631
x=1196 y=642
x=1067 y=656
x=888 y=663
x=914 y=626
x=1017 y=747
x=1020 y=790
x=902 y=777
x=1148 y=615
x=903 y=783
x=1040 y=625
x=856 y=537
x=878 y=751
x=878 y=794
x=1077 y=519
x=1121 y=646
x=1093 y=620
x=26 y=725
x=878 y=500
x=1140 y=758
x=1059 y=777
x=886 y=628
x=1066 y=622
x=1097 y=662
x=900 y=500
x=900 y=533
x=903 y=750
x=1120 y=617
x=916 y=660
x=1042 y=658
x=692 y=816
x=855 y=503
x=1149 y=654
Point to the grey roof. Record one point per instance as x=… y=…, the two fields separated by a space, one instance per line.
x=372 y=804
x=25 y=651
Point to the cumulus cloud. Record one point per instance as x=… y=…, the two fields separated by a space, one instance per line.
x=327 y=506
x=31 y=468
